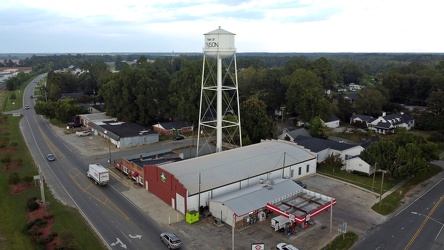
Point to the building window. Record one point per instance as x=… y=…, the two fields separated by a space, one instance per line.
x=307 y=169
x=140 y=180
x=125 y=170
x=300 y=170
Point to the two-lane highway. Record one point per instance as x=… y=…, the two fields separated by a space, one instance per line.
x=116 y=220
x=418 y=226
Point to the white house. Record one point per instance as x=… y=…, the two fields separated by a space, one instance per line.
x=387 y=123
x=332 y=122
x=354 y=87
x=324 y=148
x=291 y=133
x=357 y=164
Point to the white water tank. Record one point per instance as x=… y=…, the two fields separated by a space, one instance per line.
x=219 y=42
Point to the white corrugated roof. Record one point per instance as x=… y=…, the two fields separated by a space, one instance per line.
x=247 y=200
x=231 y=166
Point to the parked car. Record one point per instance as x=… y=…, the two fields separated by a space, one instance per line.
x=300 y=183
x=83 y=133
x=171 y=240
x=26 y=106
x=178 y=137
x=285 y=246
x=73 y=125
x=50 y=157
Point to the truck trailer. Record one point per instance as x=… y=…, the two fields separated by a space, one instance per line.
x=98 y=173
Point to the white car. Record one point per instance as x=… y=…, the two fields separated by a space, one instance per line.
x=285 y=246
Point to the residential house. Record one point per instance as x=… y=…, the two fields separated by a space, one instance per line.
x=354 y=87
x=361 y=121
x=387 y=123
x=169 y=128
x=73 y=95
x=291 y=133
x=350 y=97
x=332 y=122
x=324 y=148
x=355 y=163
x=96 y=108
x=349 y=153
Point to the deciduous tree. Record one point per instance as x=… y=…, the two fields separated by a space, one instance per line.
x=305 y=96
x=256 y=124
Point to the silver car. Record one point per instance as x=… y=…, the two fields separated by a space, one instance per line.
x=171 y=240
x=50 y=157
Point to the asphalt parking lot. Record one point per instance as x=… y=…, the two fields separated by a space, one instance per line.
x=353 y=207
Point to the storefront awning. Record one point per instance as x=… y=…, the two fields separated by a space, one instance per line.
x=135 y=174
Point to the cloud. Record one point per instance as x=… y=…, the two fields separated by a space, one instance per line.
x=260 y=25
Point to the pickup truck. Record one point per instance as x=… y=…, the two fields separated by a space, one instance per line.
x=83 y=133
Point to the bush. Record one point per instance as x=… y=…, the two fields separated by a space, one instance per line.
x=30 y=224
x=13 y=178
x=334 y=160
x=32 y=204
x=6 y=159
x=437 y=136
x=28 y=179
x=4 y=142
x=19 y=162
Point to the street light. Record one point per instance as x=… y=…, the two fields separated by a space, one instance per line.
x=109 y=146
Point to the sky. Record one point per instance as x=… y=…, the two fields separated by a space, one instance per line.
x=134 y=26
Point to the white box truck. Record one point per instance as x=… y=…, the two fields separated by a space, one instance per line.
x=98 y=173
x=278 y=223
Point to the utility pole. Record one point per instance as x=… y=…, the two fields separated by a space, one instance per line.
x=282 y=114
x=382 y=183
x=374 y=174
x=331 y=218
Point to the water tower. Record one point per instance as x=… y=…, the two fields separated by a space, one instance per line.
x=219 y=114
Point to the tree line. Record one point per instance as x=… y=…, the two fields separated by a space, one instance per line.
x=162 y=87
x=148 y=91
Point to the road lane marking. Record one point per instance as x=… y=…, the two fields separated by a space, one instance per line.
x=74 y=174
x=423 y=224
x=51 y=147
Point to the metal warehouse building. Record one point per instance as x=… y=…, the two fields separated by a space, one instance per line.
x=197 y=182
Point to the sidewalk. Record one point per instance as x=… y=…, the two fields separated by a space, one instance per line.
x=154 y=207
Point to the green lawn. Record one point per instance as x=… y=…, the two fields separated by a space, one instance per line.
x=342 y=242
x=368 y=182
x=68 y=224
x=393 y=200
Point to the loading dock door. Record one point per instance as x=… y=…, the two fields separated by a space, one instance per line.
x=180 y=203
